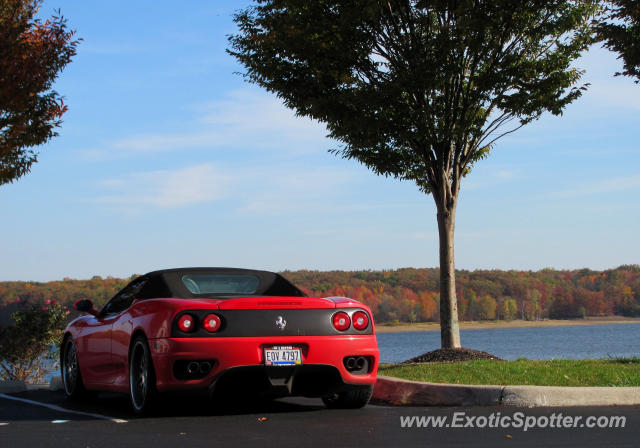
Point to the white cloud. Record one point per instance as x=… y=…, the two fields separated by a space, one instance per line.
x=603 y=186
x=505 y=174
x=250 y=110
x=488 y=177
x=248 y=119
x=261 y=190
x=281 y=190
x=166 y=142
x=165 y=188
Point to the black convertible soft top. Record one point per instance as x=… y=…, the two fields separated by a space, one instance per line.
x=179 y=282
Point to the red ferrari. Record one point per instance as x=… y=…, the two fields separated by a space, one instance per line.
x=221 y=329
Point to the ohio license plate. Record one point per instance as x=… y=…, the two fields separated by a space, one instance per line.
x=282 y=356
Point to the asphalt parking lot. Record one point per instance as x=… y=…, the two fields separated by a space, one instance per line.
x=43 y=418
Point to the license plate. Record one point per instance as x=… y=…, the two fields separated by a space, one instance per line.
x=282 y=356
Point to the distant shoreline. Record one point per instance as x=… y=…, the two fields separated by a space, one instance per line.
x=499 y=324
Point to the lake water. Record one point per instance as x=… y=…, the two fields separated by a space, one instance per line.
x=571 y=342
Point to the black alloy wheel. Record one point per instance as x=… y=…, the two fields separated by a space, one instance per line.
x=142 y=380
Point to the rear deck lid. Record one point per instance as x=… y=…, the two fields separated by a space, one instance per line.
x=271 y=303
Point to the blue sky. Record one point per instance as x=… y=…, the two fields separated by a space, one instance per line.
x=168 y=158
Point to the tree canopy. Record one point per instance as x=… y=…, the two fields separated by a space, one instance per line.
x=407 y=86
x=619 y=28
x=32 y=54
x=418 y=89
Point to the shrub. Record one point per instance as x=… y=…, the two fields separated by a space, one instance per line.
x=28 y=348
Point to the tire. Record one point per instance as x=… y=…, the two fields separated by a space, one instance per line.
x=70 y=370
x=142 y=379
x=355 y=398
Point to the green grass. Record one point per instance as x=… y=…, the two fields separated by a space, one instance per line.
x=557 y=372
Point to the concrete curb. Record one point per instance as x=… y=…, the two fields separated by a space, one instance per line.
x=570 y=396
x=56 y=383
x=399 y=392
x=414 y=393
x=10 y=387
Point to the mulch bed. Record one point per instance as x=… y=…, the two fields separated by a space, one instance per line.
x=452 y=355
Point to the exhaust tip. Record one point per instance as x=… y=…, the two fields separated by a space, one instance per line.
x=357 y=365
x=205 y=367
x=193 y=367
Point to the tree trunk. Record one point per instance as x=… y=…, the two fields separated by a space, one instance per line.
x=449 y=329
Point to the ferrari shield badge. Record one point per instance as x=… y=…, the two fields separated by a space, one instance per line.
x=280 y=323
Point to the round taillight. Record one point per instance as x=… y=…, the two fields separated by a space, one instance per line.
x=186 y=323
x=360 y=320
x=211 y=323
x=341 y=321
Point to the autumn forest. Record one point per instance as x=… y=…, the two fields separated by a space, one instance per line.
x=408 y=294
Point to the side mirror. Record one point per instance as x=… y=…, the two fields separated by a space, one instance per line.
x=86 y=306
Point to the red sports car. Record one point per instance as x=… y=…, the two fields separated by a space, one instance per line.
x=221 y=329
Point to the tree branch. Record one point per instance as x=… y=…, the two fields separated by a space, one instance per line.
x=505 y=133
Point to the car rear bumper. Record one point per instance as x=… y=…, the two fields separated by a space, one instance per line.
x=243 y=357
